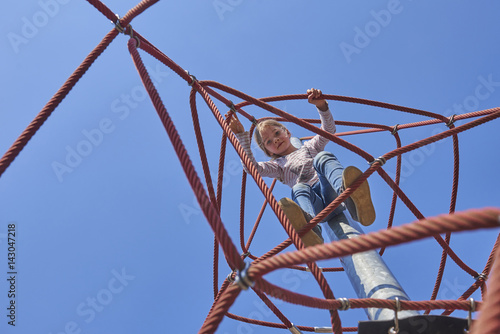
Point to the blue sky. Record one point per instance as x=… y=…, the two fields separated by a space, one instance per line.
x=115 y=243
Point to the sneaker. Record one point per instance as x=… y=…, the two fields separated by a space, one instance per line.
x=297 y=218
x=360 y=204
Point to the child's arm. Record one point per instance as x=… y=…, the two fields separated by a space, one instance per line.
x=235 y=125
x=313 y=95
x=327 y=121
x=269 y=169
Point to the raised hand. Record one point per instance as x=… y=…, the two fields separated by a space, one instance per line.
x=313 y=96
x=235 y=124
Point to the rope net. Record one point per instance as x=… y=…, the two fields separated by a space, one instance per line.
x=243 y=275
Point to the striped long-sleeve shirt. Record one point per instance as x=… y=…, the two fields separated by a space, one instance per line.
x=296 y=167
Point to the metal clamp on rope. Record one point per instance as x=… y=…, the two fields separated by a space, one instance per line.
x=381 y=160
x=126 y=31
x=294 y=329
x=345 y=304
x=451 y=120
x=395 y=329
x=242 y=278
x=231 y=106
x=254 y=121
x=245 y=255
x=481 y=276
x=394 y=129
x=131 y=34
x=117 y=24
x=309 y=269
x=230 y=276
x=193 y=79
x=471 y=309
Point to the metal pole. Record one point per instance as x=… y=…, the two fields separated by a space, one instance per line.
x=367 y=271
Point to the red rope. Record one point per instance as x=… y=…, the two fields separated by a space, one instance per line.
x=463 y=221
x=282 y=326
x=419 y=215
x=201 y=148
x=453 y=201
x=103 y=9
x=220 y=308
x=488 y=321
x=401 y=126
x=260 y=103
x=257 y=222
x=207 y=207
x=131 y=14
x=215 y=267
x=314 y=302
x=494 y=113
x=273 y=308
x=346 y=99
x=44 y=114
x=396 y=181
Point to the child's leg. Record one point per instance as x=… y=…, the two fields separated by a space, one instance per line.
x=360 y=203
x=309 y=201
x=329 y=169
x=297 y=218
x=331 y=172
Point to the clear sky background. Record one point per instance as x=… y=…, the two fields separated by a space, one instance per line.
x=114 y=242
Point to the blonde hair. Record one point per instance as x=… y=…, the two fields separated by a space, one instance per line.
x=258 y=137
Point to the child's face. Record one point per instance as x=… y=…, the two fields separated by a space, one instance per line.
x=276 y=140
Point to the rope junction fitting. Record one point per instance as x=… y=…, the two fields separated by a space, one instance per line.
x=231 y=106
x=126 y=31
x=242 y=278
x=131 y=34
x=345 y=304
x=118 y=25
x=394 y=129
x=481 y=276
x=309 y=269
x=193 y=79
x=294 y=330
x=451 y=120
x=230 y=276
x=381 y=160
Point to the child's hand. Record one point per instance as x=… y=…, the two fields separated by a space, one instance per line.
x=235 y=124
x=313 y=95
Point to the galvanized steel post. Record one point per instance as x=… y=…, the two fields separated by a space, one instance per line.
x=367 y=271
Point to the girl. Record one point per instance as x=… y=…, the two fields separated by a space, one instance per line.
x=315 y=176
